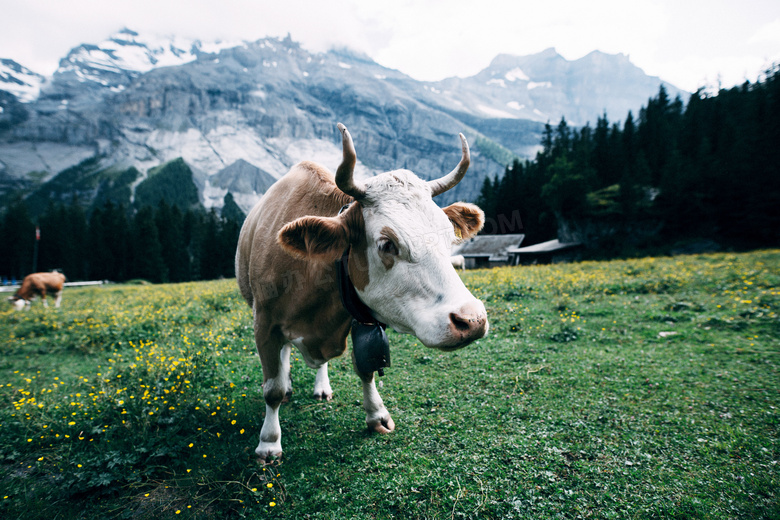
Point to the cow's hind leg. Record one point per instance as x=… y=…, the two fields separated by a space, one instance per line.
x=57 y=298
x=377 y=417
x=275 y=358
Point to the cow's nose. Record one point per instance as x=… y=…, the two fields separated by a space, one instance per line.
x=469 y=323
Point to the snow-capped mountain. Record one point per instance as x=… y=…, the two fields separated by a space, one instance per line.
x=116 y=61
x=241 y=114
x=19 y=80
x=545 y=87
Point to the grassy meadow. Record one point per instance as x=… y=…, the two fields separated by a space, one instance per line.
x=625 y=389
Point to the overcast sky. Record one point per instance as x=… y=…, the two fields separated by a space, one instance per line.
x=690 y=43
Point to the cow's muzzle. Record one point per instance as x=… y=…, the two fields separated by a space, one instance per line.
x=466 y=325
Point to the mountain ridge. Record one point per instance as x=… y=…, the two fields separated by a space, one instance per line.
x=139 y=101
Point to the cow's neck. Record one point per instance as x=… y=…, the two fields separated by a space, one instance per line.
x=349 y=297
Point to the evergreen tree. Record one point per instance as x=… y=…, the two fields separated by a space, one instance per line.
x=538 y=219
x=210 y=254
x=52 y=231
x=629 y=146
x=172 y=182
x=231 y=211
x=102 y=257
x=545 y=155
x=175 y=254
x=192 y=230
x=487 y=201
x=601 y=160
x=228 y=241
x=633 y=177
x=148 y=262
x=117 y=240
x=17 y=234
x=64 y=239
x=565 y=192
x=561 y=140
x=75 y=259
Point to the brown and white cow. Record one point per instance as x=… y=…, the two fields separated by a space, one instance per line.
x=38 y=284
x=399 y=244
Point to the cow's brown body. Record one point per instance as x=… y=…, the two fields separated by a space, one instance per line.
x=292 y=297
x=41 y=284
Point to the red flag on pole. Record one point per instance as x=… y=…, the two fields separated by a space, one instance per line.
x=37 y=233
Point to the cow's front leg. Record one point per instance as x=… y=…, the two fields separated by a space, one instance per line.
x=276 y=389
x=377 y=417
x=58 y=299
x=322 y=388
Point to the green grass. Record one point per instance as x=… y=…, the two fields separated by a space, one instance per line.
x=625 y=389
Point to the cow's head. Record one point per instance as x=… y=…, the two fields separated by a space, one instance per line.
x=18 y=303
x=400 y=245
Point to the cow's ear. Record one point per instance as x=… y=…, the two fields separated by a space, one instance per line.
x=467 y=219
x=317 y=238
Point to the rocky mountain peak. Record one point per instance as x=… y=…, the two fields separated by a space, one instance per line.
x=115 y=62
x=240 y=114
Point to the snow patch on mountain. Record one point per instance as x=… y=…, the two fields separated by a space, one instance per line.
x=293 y=151
x=495 y=112
x=212 y=197
x=231 y=143
x=516 y=74
x=543 y=84
x=130 y=51
x=19 y=80
x=326 y=153
x=116 y=61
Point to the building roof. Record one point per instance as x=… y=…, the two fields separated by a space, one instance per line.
x=550 y=246
x=493 y=246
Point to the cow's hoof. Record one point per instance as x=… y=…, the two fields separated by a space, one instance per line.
x=322 y=396
x=267 y=452
x=382 y=424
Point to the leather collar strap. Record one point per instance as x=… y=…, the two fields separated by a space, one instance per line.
x=370 y=347
x=349 y=296
x=347 y=291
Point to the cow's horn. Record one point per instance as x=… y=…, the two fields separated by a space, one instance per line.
x=450 y=180
x=345 y=172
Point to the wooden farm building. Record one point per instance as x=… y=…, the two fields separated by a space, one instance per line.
x=552 y=251
x=488 y=250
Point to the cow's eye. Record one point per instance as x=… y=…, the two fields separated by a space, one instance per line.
x=387 y=247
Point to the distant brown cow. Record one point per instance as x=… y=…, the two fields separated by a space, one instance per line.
x=39 y=284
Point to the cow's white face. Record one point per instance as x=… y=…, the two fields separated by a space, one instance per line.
x=18 y=303
x=411 y=284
